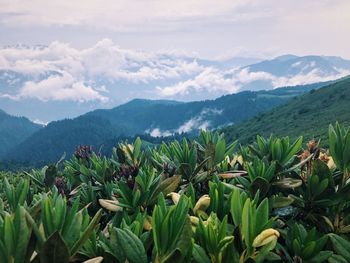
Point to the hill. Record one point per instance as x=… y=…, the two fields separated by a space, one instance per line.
x=14 y=130
x=158 y=118
x=309 y=114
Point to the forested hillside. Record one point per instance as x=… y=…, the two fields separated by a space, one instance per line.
x=14 y=130
x=159 y=118
x=309 y=114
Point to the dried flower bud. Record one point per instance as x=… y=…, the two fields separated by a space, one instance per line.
x=311 y=145
x=265 y=237
x=202 y=204
x=304 y=155
x=175 y=197
x=83 y=152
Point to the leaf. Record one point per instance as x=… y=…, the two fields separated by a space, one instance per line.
x=132 y=246
x=9 y=234
x=94 y=260
x=262 y=214
x=309 y=249
x=260 y=184
x=183 y=245
x=199 y=254
x=110 y=205
x=289 y=183
x=346 y=151
x=281 y=201
x=54 y=250
x=166 y=187
x=23 y=233
x=246 y=223
x=337 y=259
x=137 y=147
x=321 y=257
x=341 y=246
x=236 y=207
x=220 y=151
x=293 y=149
x=86 y=234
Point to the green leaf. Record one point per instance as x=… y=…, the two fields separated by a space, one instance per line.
x=167 y=186
x=262 y=214
x=308 y=249
x=199 y=254
x=246 y=223
x=337 y=259
x=87 y=233
x=132 y=246
x=9 y=234
x=220 y=151
x=23 y=232
x=183 y=245
x=341 y=246
x=293 y=149
x=321 y=257
x=346 y=151
x=54 y=250
x=281 y=201
x=137 y=147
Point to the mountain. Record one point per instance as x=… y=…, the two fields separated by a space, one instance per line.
x=14 y=130
x=309 y=114
x=58 y=81
x=102 y=128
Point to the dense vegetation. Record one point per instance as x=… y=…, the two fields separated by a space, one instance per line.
x=100 y=127
x=308 y=114
x=200 y=201
x=14 y=130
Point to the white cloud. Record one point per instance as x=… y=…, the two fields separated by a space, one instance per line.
x=199 y=122
x=232 y=81
x=313 y=76
x=194 y=123
x=60 y=72
x=158 y=133
x=40 y=122
x=59 y=88
x=210 y=79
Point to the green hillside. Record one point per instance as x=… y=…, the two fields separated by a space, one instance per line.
x=14 y=130
x=103 y=128
x=309 y=114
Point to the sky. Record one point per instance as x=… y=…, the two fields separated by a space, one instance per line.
x=61 y=59
x=209 y=28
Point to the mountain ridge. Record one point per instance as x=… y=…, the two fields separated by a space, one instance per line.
x=157 y=118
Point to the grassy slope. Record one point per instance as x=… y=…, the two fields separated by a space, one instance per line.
x=309 y=114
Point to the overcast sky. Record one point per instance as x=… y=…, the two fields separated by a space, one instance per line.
x=208 y=28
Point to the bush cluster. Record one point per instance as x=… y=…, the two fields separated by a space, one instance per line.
x=192 y=201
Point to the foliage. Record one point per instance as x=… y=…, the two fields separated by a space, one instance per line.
x=190 y=201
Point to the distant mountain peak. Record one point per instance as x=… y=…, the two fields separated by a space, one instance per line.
x=286 y=57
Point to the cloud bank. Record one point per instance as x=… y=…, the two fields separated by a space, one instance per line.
x=106 y=72
x=199 y=122
x=60 y=72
